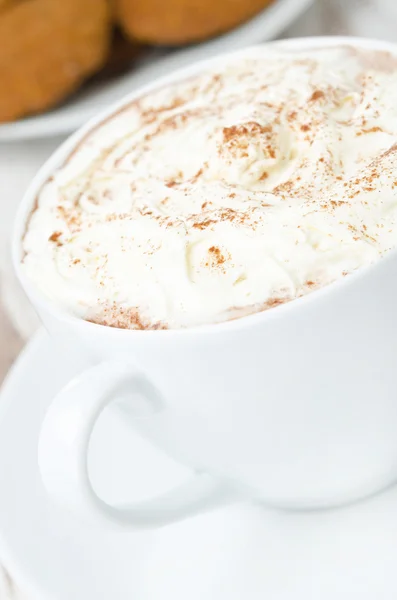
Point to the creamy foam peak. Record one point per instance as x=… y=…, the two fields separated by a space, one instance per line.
x=254 y=183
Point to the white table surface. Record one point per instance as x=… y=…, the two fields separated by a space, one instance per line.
x=20 y=160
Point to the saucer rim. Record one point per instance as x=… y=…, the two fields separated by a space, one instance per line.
x=8 y=561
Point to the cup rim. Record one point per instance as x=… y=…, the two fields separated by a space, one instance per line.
x=38 y=299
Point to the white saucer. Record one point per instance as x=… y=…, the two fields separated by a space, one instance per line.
x=240 y=553
x=265 y=26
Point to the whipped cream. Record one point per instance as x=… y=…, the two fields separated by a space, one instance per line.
x=249 y=185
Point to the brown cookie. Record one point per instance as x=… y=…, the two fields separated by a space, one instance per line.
x=48 y=48
x=175 y=22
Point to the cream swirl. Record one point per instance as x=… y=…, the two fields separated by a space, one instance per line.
x=243 y=187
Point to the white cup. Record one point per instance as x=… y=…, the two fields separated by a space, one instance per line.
x=296 y=406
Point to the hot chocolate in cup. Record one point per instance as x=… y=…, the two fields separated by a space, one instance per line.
x=221 y=244
x=263 y=177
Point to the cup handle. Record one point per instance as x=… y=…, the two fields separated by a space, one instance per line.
x=63 y=448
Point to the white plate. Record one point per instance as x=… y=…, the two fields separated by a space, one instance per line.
x=239 y=553
x=68 y=117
